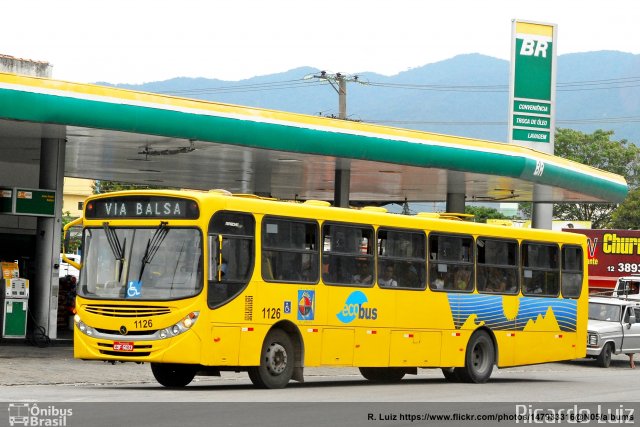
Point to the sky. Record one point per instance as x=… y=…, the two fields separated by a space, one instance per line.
x=138 y=41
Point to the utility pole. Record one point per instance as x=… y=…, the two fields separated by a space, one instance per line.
x=342 y=179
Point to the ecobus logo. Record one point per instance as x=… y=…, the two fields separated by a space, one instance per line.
x=354 y=308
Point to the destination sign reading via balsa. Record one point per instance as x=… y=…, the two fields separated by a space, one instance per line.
x=142 y=207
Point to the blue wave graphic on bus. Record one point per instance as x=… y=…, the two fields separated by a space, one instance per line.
x=489 y=309
x=564 y=310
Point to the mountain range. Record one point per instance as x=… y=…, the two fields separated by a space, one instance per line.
x=466 y=95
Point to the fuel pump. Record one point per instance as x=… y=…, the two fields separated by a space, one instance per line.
x=14 y=296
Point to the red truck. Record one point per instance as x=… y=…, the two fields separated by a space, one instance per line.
x=612 y=254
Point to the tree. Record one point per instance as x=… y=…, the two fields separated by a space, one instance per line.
x=596 y=150
x=100 y=187
x=482 y=213
x=627 y=216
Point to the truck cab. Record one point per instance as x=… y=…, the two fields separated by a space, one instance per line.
x=613 y=328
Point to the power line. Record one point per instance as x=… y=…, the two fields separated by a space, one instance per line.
x=246 y=88
x=603 y=84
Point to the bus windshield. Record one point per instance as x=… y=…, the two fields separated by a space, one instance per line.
x=141 y=263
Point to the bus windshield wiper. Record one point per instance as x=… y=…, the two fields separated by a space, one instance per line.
x=153 y=244
x=116 y=248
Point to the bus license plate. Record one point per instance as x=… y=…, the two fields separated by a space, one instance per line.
x=122 y=346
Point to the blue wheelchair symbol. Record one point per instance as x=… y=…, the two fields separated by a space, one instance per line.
x=134 y=289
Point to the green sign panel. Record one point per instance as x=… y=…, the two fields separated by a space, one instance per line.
x=532 y=83
x=533 y=69
x=35 y=202
x=520 y=120
x=6 y=200
x=531 y=135
x=531 y=107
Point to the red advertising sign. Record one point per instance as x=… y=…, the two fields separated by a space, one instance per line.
x=611 y=254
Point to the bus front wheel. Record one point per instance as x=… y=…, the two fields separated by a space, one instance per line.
x=276 y=362
x=173 y=374
x=383 y=375
x=479 y=359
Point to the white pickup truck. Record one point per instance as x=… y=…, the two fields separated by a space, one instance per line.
x=613 y=328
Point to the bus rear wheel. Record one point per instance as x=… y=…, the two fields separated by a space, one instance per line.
x=173 y=374
x=383 y=375
x=479 y=359
x=276 y=362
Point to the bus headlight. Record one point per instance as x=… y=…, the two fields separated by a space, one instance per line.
x=182 y=326
x=592 y=340
x=82 y=327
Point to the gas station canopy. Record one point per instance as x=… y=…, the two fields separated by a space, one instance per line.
x=122 y=135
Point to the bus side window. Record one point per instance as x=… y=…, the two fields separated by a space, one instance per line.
x=405 y=252
x=541 y=269
x=289 y=250
x=497 y=265
x=346 y=247
x=571 y=271
x=453 y=266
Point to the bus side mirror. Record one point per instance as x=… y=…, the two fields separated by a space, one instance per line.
x=66 y=239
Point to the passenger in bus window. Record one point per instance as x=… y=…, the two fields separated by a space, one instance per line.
x=363 y=276
x=387 y=277
x=307 y=272
x=408 y=275
x=461 y=281
x=326 y=274
x=512 y=282
x=534 y=285
x=438 y=281
x=497 y=281
x=222 y=268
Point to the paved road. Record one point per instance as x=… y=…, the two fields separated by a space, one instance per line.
x=52 y=370
x=101 y=394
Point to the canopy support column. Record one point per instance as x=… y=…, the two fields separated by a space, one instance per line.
x=455 y=192
x=47 y=262
x=541 y=213
x=342 y=183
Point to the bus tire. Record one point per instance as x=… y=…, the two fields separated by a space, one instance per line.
x=383 y=375
x=276 y=362
x=604 y=358
x=479 y=359
x=450 y=374
x=173 y=374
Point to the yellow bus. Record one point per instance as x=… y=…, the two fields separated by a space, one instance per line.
x=196 y=283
